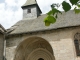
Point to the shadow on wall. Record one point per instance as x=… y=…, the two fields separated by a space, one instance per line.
x=4 y=58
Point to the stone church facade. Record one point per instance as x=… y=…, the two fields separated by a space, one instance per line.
x=30 y=39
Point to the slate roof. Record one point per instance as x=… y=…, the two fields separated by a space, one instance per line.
x=30 y=2
x=65 y=20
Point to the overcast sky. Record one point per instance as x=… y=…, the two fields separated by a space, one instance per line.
x=11 y=12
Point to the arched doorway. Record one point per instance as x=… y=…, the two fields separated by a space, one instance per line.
x=34 y=48
x=40 y=54
x=40 y=59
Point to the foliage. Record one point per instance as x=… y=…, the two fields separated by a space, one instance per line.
x=53 y=13
x=65 y=4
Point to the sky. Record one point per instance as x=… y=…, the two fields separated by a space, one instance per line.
x=11 y=12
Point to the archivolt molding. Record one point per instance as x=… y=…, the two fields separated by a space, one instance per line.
x=31 y=44
x=40 y=53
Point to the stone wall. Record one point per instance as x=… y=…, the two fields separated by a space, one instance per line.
x=61 y=40
x=33 y=14
x=1 y=46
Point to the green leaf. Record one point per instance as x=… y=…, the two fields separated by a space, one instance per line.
x=50 y=12
x=78 y=5
x=66 y=6
x=59 y=11
x=53 y=11
x=52 y=19
x=49 y=19
x=77 y=11
x=47 y=23
x=74 y=1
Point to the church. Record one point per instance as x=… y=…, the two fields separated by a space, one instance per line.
x=30 y=39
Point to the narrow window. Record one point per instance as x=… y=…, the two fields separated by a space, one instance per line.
x=77 y=46
x=77 y=43
x=28 y=10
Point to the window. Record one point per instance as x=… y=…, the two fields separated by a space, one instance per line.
x=77 y=43
x=28 y=10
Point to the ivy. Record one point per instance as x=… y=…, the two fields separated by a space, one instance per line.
x=49 y=19
x=74 y=1
x=66 y=6
x=52 y=15
x=77 y=10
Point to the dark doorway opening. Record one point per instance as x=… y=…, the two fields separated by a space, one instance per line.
x=40 y=59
